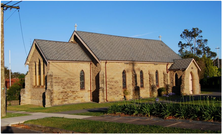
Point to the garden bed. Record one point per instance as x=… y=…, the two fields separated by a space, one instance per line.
x=199 y=112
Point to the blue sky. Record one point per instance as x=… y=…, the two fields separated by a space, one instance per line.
x=55 y=20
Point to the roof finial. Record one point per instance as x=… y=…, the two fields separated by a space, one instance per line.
x=75 y=27
x=159 y=37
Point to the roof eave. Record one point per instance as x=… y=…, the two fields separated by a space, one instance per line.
x=32 y=50
x=194 y=63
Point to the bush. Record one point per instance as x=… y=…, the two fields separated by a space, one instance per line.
x=161 y=91
x=13 y=92
x=182 y=111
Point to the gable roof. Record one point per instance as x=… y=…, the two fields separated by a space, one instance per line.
x=60 y=51
x=117 y=48
x=183 y=64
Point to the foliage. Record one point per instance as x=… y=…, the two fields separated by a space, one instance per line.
x=211 y=70
x=161 y=91
x=13 y=74
x=194 y=44
x=14 y=92
x=206 y=111
x=125 y=92
x=88 y=126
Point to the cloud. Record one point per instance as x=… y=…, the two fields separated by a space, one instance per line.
x=138 y=35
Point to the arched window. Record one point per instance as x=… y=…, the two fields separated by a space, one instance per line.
x=141 y=79
x=157 y=78
x=39 y=73
x=82 y=80
x=35 y=75
x=124 y=79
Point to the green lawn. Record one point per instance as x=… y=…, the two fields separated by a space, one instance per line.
x=33 y=108
x=9 y=115
x=90 y=105
x=86 y=126
x=91 y=113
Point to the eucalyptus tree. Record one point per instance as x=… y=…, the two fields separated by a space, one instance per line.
x=194 y=44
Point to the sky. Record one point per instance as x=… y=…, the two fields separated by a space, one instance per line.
x=55 y=20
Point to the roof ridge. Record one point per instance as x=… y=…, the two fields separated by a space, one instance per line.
x=53 y=41
x=120 y=36
x=184 y=59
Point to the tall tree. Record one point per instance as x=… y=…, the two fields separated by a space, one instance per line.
x=194 y=44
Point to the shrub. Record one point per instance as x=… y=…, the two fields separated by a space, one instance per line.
x=161 y=91
x=183 y=111
x=13 y=92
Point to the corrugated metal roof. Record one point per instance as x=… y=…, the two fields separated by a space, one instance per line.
x=117 y=48
x=181 y=64
x=61 y=51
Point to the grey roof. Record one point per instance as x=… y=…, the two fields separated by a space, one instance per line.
x=181 y=64
x=117 y=48
x=64 y=51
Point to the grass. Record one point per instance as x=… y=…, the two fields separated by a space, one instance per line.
x=90 y=105
x=87 y=126
x=71 y=107
x=91 y=113
x=9 y=115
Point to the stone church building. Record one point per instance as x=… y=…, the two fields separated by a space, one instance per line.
x=94 y=67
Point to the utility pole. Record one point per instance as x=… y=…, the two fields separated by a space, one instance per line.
x=3 y=89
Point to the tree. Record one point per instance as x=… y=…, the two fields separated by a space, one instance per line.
x=6 y=73
x=194 y=44
x=13 y=74
x=210 y=70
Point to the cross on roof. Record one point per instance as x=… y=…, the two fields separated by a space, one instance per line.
x=75 y=27
x=159 y=37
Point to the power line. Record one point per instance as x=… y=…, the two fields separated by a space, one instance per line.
x=16 y=3
x=7 y=2
x=10 y=16
x=22 y=32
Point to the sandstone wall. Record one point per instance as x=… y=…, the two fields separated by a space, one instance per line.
x=196 y=85
x=114 y=70
x=34 y=81
x=37 y=96
x=66 y=82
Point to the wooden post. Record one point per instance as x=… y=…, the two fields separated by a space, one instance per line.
x=3 y=90
x=3 y=101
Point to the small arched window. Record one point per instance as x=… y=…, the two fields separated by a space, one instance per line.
x=141 y=79
x=39 y=77
x=35 y=76
x=124 y=79
x=157 y=78
x=82 y=80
